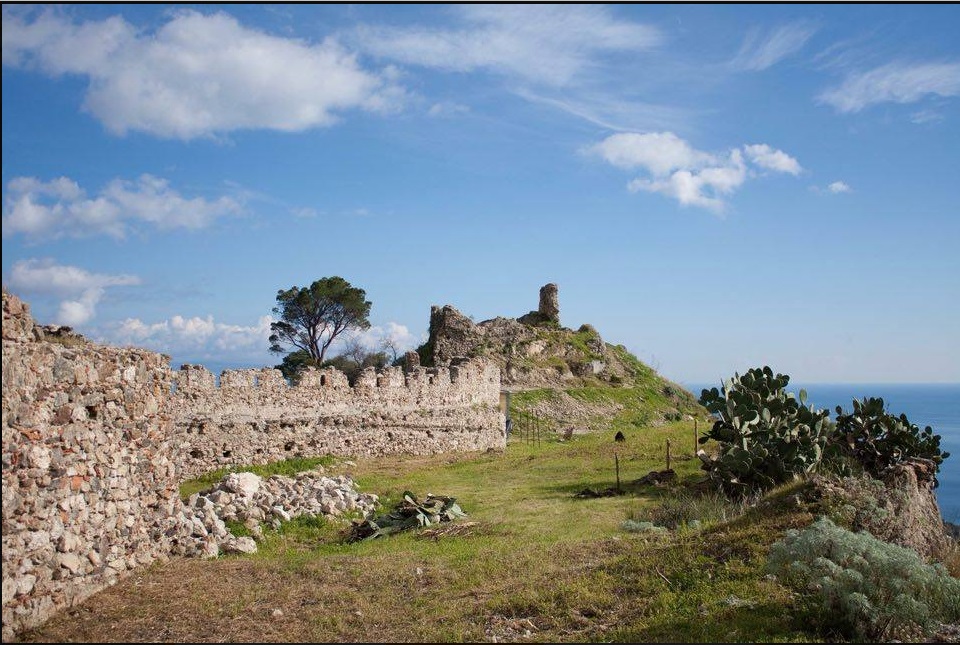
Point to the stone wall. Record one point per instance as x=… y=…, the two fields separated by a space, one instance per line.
x=90 y=472
x=254 y=417
x=96 y=441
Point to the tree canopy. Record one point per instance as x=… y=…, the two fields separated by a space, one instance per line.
x=310 y=318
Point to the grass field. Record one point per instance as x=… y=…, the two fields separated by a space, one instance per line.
x=535 y=564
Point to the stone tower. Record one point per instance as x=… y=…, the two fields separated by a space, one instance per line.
x=549 y=303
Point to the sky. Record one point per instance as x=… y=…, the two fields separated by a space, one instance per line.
x=715 y=187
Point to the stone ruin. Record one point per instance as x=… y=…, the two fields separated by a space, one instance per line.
x=532 y=351
x=96 y=441
x=548 y=313
x=549 y=303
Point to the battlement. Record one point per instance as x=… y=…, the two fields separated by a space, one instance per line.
x=466 y=382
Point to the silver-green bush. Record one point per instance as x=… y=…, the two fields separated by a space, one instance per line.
x=862 y=586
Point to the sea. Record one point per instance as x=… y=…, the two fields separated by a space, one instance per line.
x=934 y=405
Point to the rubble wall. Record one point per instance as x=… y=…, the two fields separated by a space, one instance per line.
x=90 y=468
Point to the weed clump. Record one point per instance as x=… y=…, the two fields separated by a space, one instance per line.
x=691 y=510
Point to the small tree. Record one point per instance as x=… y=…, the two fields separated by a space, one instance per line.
x=312 y=317
x=391 y=347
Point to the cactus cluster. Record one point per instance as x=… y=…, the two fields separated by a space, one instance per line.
x=878 y=440
x=767 y=435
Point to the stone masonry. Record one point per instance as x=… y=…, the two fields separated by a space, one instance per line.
x=96 y=441
x=90 y=469
x=254 y=417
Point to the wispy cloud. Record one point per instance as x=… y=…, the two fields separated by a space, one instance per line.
x=78 y=290
x=926 y=116
x=60 y=207
x=761 y=50
x=834 y=188
x=896 y=82
x=673 y=167
x=612 y=111
x=447 y=109
x=545 y=44
x=197 y=75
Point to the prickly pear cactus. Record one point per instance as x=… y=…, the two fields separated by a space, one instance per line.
x=878 y=440
x=767 y=435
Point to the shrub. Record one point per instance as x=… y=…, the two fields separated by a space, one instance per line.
x=766 y=435
x=877 y=440
x=864 y=587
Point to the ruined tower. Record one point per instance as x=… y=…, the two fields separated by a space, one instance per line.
x=549 y=303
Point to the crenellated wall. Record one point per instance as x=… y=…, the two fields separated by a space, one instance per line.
x=254 y=416
x=96 y=441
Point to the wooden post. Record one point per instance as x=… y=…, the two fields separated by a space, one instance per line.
x=616 y=461
x=668 y=454
x=695 y=437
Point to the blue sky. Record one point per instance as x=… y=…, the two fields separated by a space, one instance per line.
x=716 y=187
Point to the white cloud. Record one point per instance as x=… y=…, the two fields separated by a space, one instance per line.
x=766 y=157
x=549 y=44
x=60 y=207
x=838 y=187
x=374 y=337
x=673 y=167
x=759 y=53
x=197 y=75
x=657 y=152
x=200 y=338
x=205 y=339
x=703 y=187
x=78 y=290
x=895 y=83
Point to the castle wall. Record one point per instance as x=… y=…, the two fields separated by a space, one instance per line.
x=90 y=470
x=254 y=417
x=96 y=441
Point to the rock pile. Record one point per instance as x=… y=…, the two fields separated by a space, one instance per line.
x=250 y=499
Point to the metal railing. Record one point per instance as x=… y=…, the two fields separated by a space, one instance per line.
x=526 y=427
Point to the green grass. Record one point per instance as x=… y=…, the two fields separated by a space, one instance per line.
x=540 y=552
x=536 y=558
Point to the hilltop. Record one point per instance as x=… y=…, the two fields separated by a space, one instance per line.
x=572 y=379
